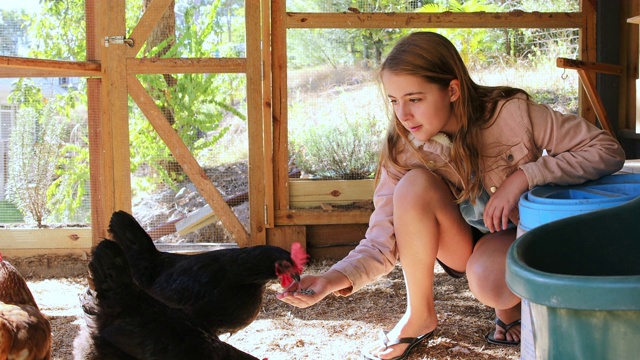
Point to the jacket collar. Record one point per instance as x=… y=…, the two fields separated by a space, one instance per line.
x=440 y=144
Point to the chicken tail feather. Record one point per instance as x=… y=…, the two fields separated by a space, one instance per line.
x=137 y=245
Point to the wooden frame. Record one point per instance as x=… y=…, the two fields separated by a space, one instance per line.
x=112 y=77
x=283 y=20
x=112 y=71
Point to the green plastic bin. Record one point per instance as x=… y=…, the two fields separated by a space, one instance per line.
x=581 y=277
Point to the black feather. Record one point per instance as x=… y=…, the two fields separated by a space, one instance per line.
x=221 y=289
x=123 y=322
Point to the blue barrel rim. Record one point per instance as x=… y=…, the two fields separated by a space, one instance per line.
x=621 y=180
x=600 y=193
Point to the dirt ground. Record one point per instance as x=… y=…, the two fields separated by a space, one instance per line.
x=336 y=328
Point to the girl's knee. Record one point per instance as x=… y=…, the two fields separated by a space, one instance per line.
x=419 y=183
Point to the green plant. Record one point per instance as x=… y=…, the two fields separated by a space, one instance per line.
x=346 y=150
x=197 y=102
x=34 y=149
x=67 y=194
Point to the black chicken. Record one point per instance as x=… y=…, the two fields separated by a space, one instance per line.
x=222 y=289
x=123 y=322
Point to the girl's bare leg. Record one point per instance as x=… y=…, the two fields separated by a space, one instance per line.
x=486 y=275
x=427 y=225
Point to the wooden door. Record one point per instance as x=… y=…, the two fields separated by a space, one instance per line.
x=120 y=66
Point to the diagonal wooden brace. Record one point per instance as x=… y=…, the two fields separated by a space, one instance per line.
x=594 y=98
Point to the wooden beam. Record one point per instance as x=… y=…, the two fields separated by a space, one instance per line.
x=322 y=217
x=267 y=114
x=634 y=20
x=99 y=223
x=279 y=104
x=312 y=193
x=116 y=184
x=196 y=220
x=186 y=160
x=284 y=236
x=582 y=67
x=596 y=101
x=589 y=66
x=146 y=24
x=587 y=52
x=10 y=66
x=54 y=238
x=257 y=217
x=186 y=66
x=356 y=19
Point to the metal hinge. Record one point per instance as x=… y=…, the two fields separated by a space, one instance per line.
x=117 y=40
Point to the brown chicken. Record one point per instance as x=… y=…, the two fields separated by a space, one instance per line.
x=25 y=332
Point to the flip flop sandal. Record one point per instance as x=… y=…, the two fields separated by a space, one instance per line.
x=492 y=340
x=412 y=341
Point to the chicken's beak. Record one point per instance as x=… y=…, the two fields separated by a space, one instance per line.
x=296 y=277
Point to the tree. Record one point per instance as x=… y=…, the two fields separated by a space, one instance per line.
x=13 y=32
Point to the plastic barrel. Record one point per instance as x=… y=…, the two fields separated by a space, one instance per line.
x=578 y=270
x=544 y=204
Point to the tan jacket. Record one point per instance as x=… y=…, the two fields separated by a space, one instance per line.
x=578 y=151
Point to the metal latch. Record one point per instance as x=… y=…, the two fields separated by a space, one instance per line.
x=117 y=40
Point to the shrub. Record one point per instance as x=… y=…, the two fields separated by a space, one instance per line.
x=34 y=149
x=345 y=150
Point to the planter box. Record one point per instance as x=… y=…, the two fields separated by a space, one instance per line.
x=315 y=193
x=28 y=242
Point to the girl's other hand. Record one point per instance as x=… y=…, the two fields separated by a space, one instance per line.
x=504 y=200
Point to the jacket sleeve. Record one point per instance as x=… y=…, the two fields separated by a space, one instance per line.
x=376 y=254
x=578 y=151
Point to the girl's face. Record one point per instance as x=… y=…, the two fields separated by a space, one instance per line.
x=422 y=107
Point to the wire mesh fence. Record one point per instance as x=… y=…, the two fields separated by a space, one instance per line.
x=336 y=112
x=337 y=115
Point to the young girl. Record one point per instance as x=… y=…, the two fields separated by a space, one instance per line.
x=456 y=159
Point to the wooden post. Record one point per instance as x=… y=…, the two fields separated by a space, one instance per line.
x=96 y=161
x=267 y=115
x=116 y=183
x=257 y=195
x=284 y=236
x=279 y=104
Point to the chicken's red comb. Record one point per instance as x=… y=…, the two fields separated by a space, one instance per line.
x=299 y=256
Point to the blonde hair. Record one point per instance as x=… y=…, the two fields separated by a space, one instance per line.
x=435 y=59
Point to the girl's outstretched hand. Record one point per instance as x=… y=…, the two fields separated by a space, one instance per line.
x=307 y=292
x=313 y=288
x=504 y=200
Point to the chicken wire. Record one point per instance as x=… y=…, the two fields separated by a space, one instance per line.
x=413 y=5
x=330 y=82
x=207 y=110
x=43 y=120
x=337 y=115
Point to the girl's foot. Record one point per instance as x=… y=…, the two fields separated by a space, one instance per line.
x=507 y=331
x=410 y=342
x=406 y=329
